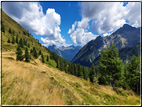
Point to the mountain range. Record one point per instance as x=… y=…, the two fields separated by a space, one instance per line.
x=123 y=38
x=67 y=53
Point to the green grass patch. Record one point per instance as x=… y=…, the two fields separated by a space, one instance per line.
x=70 y=98
x=93 y=91
x=77 y=85
x=52 y=63
x=88 y=99
x=110 y=100
x=120 y=91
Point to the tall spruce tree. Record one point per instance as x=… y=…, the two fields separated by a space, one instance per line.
x=17 y=39
x=19 y=54
x=25 y=42
x=9 y=30
x=39 y=53
x=42 y=58
x=8 y=41
x=13 y=40
x=92 y=73
x=111 y=67
x=133 y=74
x=31 y=51
x=47 y=59
x=35 y=53
x=58 y=63
x=78 y=70
x=27 y=56
x=21 y=43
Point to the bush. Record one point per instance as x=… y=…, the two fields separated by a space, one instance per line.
x=52 y=63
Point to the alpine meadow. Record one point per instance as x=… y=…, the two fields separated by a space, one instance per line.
x=45 y=62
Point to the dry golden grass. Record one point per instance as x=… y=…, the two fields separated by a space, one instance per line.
x=29 y=84
x=26 y=81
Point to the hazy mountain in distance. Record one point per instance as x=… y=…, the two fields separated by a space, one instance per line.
x=65 y=52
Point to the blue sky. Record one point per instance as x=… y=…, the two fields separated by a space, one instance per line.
x=67 y=23
x=69 y=12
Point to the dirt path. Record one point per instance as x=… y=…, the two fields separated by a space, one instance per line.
x=7 y=52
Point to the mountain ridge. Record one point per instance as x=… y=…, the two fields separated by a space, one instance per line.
x=125 y=37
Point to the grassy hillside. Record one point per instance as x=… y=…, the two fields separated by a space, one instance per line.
x=36 y=83
x=20 y=31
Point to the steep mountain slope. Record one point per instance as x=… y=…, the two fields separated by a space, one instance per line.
x=125 y=37
x=89 y=52
x=65 y=52
x=125 y=54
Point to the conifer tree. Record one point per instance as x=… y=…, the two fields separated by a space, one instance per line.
x=34 y=52
x=28 y=45
x=58 y=63
x=39 y=53
x=66 y=69
x=21 y=43
x=19 y=54
x=34 y=49
x=133 y=74
x=9 y=30
x=13 y=40
x=111 y=67
x=47 y=58
x=8 y=41
x=17 y=39
x=31 y=51
x=85 y=74
x=2 y=28
x=78 y=70
x=42 y=58
x=25 y=42
x=27 y=56
x=75 y=70
x=92 y=73
x=72 y=69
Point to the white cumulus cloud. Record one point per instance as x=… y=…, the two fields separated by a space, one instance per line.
x=105 y=17
x=81 y=37
x=108 y=16
x=83 y=23
x=30 y=15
